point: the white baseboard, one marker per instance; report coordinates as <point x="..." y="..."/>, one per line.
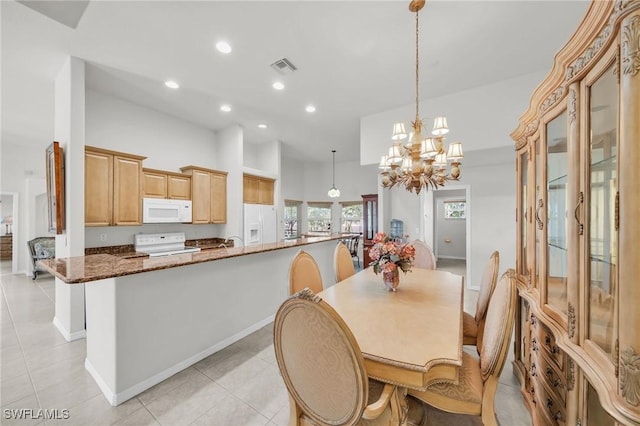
<point x="452" y="257"/>
<point x="120" y="397"/>
<point x="106" y="390"/>
<point x="69" y="337"/>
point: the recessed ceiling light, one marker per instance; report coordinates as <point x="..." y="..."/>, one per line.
<point x="262" y="126"/>
<point x="310" y="108"/>
<point x="171" y="84"/>
<point x="278" y="85"/>
<point x="225" y="108"/>
<point x="223" y="47"/>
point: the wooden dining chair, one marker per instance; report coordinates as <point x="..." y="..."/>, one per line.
<point x="478" y="377"/>
<point x="354" y="244"/>
<point x="342" y="262"/>
<point x="473" y="325"/>
<point x="424" y="255"/>
<point x="304" y="272"/>
<point x="323" y="368"/>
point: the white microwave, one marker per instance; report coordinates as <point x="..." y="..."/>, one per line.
<point x="159" y="210"/>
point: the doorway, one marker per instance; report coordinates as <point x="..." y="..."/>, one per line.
<point x="447" y="228"/>
<point x="8" y="232"/>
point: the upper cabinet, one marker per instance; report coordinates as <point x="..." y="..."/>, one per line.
<point x="163" y="184"/>
<point x="113" y="188"/>
<point x="257" y="189"/>
<point x="209" y="194"/>
<point x="578" y="256"/>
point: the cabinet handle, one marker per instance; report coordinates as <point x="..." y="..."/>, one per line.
<point x="575" y="213"/>
<point x="549" y="403"/>
<point x="538" y="220"/>
<point x="533" y="396"/>
<point x="553" y="349"/>
<point x="555" y="383"/>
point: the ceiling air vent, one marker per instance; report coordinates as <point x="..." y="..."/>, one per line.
<point x="283" y="66"/>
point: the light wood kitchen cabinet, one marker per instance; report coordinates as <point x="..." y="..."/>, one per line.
<point x="179" y="187"/>
<point x="257" y="189"/>
<point x="164" y="184"/>
<point x="209" y="194"/>
<point x="155" y="183"/>
<point x="577" y="334"/>
<point x="218" y="193"/>
<point x="113" y="188"/>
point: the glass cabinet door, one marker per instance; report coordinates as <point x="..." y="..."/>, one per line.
<point x="523" y="213"/>
<point x="557" y="217"/>
<point x="602" y="242"/>
<point x="537" y="208"/>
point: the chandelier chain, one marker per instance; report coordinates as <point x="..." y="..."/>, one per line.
<point x="417" y="71"/>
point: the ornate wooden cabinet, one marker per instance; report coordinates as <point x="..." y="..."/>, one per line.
<point x="577" y="351"/>
<point x="370" y="225"/>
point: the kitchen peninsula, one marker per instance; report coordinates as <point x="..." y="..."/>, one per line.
<point x="148" y="318"/>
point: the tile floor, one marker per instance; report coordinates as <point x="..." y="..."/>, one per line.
<point x="239" y="385"/>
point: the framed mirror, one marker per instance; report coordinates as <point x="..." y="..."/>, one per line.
<point x="55" y="187"/>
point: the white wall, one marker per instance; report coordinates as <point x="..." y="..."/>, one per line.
<point x="69" y="130"/>
<point x="491" y="177"/>
<point x="230" y="153"/>
<point x="292" y="179"/>
<point x="168" y="143"/>
<point x="22" y="160"/>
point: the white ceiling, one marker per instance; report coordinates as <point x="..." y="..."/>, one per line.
<point x="354" y="58"/>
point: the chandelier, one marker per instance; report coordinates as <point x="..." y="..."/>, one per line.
<point x="333" y="191"/>
<point x="420" y="163"/>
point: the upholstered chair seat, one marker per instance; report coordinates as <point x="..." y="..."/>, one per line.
<point x="473" y="325"/>
<point x="424" y="255"/>
<point x="323" y="368"/>
<point x="343" y="262"/>
<point x="478" y="377"/>
<point x="470" y="329"/>
<point x="304" y="273"/>
<point x="467" y="393"/>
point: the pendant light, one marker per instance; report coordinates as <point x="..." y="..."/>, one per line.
<point x="334" y="192"/>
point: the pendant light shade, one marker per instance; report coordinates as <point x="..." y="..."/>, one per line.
<point x="334" y="192"/>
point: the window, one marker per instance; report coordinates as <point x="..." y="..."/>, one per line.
<point x="455" y="210"/>
<point x="292" y="210"/>
<point x="351" y="220"/>
<point x="319" y="218"/>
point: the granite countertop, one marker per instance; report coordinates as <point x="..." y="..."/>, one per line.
<point x="93" y="267"/>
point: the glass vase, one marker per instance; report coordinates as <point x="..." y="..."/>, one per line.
<point x="391" y="279"/>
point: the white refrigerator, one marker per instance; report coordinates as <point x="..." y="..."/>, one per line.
<point x="260" y="224"/>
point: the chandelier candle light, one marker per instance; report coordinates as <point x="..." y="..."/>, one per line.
<point x="420" y="163"/>
<point x="334" y="192"/>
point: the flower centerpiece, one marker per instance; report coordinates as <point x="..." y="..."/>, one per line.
<point x="390" y="257"/>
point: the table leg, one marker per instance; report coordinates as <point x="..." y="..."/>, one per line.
<point x="399" y="407"/>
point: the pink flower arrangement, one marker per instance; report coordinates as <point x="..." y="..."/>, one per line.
<point x="387" y="255"/>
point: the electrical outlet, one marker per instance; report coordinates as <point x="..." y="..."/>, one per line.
<point x="103" y="237"/>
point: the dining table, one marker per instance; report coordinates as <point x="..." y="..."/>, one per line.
<point x="411" y="337"/>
